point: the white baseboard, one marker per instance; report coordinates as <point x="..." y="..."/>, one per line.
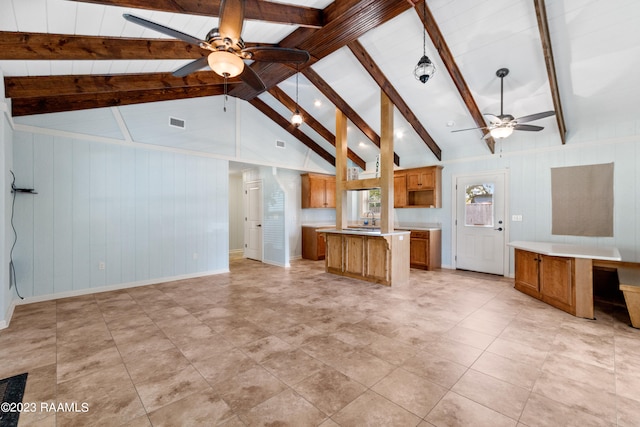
<point x="87" y="291"/>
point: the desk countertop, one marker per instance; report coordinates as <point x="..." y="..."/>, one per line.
<point x="566" y="250"/>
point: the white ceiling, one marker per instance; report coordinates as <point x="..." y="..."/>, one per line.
<point x="596" y="46"/>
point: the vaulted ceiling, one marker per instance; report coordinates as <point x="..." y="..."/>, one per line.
<point x="563" y="55"/>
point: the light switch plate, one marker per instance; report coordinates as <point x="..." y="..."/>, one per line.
<point x="516" y="218"/>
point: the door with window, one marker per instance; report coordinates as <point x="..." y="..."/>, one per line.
<point x="480" y="223"/>
<point x="253" y="220"/>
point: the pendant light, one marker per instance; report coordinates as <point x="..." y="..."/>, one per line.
<point x="425" y="69"/>
<point x="296" y="119"/>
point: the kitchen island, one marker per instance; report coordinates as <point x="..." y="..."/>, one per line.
<point x="559" y="274"/>
<point x="367" y="254"/>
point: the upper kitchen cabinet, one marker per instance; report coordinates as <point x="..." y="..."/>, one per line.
<point x="418" y="188"/>
<point x="318" y="191"/>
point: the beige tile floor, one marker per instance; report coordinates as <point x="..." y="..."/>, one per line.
<point x="264" y="345"/>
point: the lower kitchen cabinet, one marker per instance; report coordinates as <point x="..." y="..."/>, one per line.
<point x="379" y="259"/>
<point x="313" y="244"/>
<point x="547" y="278"/>
<point x="425" y="249"/>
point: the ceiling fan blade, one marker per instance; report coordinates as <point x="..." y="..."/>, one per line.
<point x="530" y="128"/>
<point x="191" y="67"/>
<point x="462" y="130"/>
<point x="231" y="18"/>
<point x="162" y="29"/>
<point x="536" y="116"/>
<point x="278" y="54"/>
<point x="252" y="79"/>
<point x="493" y="119"/>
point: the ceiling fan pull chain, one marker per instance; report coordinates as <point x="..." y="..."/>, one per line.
<point x="225" y="92"/>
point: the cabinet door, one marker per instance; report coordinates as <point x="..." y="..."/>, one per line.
<point x="377" y="262"/>
<point x="556" y="282"/>
<point x="317" y="192"/>
<point x="330" y="193"/>
<point x="399" y="191"/>
<point x="334" y="253"/>
<point x="419" y="253"/>
<point x="526" y="265"/>
<point x="320" y="248"/>
<point x="413" y="180"/>
<point x="354" y="255"/>
<point x="428" y="178"/>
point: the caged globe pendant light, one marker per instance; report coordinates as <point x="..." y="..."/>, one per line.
<point x="425" y="69"/>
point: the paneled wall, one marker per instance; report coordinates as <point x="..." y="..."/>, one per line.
<point x="5" y="212"/>
<point x="111" y="214"/>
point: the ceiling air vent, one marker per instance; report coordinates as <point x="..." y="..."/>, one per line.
<point x="176" y="123"/>
<point x="280" y="144"/>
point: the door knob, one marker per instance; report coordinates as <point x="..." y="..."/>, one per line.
<point x="498" y="229"/>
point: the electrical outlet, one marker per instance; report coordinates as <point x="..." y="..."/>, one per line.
<point x="516" y="218"/>
<point x="195" y="255"/>
<point x="101" y="265"/>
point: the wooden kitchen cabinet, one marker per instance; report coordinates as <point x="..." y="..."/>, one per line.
<point x="399" y="190"/>
<point x="318" y="191"/>
<point x="313" y="244"/>
<point x="547" y="278"/>
<point x="421" y="179"/>
<point x="425" y="249"/>
<point x="368" y="257"/>
<point x="418" y="188"/>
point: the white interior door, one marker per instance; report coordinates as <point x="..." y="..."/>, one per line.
<point x="480" y="223"/>
<point x="253" y="220"/>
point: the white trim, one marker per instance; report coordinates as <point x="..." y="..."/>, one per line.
<point x="121" y="124"/>
<point x="9" y="314"/>
<point x="277" y="264"/>
<point x="506" y="225"/>
<point x="88" y="291"/>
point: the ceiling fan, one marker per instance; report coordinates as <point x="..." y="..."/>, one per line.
<point x="227" y="49"/>
<point x="503" y="125"/>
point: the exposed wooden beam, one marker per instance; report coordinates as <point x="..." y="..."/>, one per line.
<point x="286" y="100"/>
<point x="297" y="133"/>
<point x="545" y="37"/>
<point x="43" y="86"/>
<point x="52" y="104"/>
<point x="392" y="94"/>
<point x="255" y="9"/>
<point x="41" y="46"/>
<point x="346" y="109"/>
<point x="345" y="21"/>
<point x="447" y="58"/>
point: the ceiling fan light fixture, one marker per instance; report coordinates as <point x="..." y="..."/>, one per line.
<point x="225" y="64"/>
<point x="501" y="132"/>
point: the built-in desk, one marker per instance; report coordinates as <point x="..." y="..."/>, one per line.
<point x="559" y="274"/>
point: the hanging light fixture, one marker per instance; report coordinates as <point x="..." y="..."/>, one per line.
<point x="296" y="119"/>
<point x="501" y="132"/>
<point x="425" y="69"/>
<point x="225" y="64"/>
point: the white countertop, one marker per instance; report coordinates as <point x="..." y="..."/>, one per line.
<point x="361" y="231"/>
<point x="566" y="250"/>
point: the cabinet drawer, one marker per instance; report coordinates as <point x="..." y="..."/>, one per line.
<point x="419" y="234"/>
